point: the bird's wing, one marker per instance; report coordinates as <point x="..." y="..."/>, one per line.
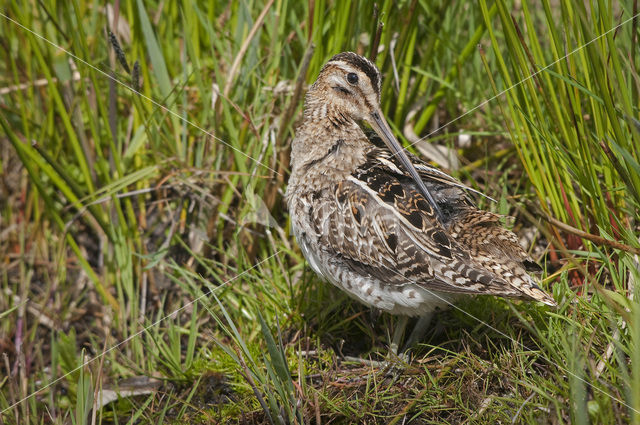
<point x="428" y="173"/>
<point x="380" y="225"/>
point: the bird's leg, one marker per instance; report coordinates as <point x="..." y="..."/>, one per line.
<point x="419" y="330"/>
<point x="374" y="315"/>
<point x="397" y="334"/>
<point x="395" y="360"/>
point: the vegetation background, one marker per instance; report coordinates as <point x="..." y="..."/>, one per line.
<point x="145" y="250"/>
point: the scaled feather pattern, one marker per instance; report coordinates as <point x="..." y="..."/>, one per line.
<point x="379" y="223"/>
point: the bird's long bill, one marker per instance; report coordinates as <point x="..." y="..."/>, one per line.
<point x="381" y="127"/>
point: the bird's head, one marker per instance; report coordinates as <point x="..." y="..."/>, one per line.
<point x="350" y="84"/>
<point x="348" y="89"/>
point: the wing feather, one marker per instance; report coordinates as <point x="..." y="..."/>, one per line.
<point x="378" y="225"/>
<point x="384" y="228"/>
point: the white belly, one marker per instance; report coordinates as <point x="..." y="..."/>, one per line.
<point x="409" y="299"/>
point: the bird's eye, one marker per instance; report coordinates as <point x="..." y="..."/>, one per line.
<point x="352" y="78"/>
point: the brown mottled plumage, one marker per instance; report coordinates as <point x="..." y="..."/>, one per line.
<point x="385" y="227"/>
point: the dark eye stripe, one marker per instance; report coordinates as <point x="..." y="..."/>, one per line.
<point x="363" y="65"/>
<point x="341" y="89"/>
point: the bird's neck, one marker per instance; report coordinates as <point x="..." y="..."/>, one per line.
<point x="327" y="144"/>
<point x="321" y="143"/>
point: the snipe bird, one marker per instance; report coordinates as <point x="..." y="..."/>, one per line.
<point x="390" y="230"/>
